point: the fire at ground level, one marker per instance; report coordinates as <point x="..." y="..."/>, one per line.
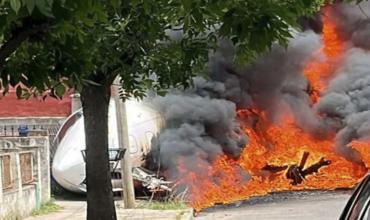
<point x="281" y="159"/>
<point x="301" y="136"/>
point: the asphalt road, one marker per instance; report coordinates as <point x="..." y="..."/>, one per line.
<point x="300" y="205"/>
<point x="303" y="205"/>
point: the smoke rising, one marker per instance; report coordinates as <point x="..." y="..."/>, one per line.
<point x="347" y="98"/>
<point x="199" y="126"/>
<point x="201" y="122"/>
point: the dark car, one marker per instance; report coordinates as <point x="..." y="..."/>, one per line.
<point x="358" y="206"/>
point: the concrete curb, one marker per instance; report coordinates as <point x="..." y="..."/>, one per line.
<point x="150" y="214"/>
<point x="188" y="215"/>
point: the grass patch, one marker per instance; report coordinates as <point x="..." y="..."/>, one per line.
<point x="156" y="205"/>
<point x="46" y="208"/>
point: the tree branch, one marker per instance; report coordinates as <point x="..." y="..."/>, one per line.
<point x="18" y="36"/>
<point x="126" y="58"/>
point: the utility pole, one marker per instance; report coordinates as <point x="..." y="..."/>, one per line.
<point x="123" y="141"/>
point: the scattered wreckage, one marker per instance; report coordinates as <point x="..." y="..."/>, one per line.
<point x="297" y="172"/>
<point x="150" y="181"/>
<point x="67" y="152"/>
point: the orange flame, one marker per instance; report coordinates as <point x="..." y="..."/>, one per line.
<point x="227" y="180"/>
<point x="317" y="71"/>
<point x="363" y="147"/>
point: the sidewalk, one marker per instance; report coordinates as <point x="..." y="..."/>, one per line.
<point x="76" y="210"/>
<point x="70" y="210"/>
<point x="141" y="214"/>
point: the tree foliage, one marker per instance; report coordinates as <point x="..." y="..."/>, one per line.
<point x="72" y="43"/>
<point x="28" y="27"/>
<point x="50" y="46"/>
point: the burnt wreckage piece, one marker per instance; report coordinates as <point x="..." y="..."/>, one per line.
<point x="297" y="173"/>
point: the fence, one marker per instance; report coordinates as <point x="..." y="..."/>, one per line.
<point x="12" y="130"/>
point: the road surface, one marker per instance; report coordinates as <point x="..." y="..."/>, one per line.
<point x="303" y="205"/>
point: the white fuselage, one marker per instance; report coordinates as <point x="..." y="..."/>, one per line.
<point x="68" y="167"/>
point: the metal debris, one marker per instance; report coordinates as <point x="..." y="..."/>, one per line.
<point x="149" y="180"/>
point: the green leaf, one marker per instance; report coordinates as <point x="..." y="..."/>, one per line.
<point x="30" y="5"/>
<point x="44" y="8"/>
<point x="148" y="83"/>
<point x="60" y="90"/>
<point x="115" y="3"/>
<point x="26" y="94"/>
<point x="15" y="5"/>
<point x="18" y="92"/>
<point x="187" y="5"/>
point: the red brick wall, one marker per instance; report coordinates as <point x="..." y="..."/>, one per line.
<point x="10" y="106"/>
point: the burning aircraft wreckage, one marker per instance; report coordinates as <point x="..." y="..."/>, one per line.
<point x="68" y="165"/>
<point x="296" y="118"/>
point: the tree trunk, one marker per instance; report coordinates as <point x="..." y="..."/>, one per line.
<point x="95" y="103"/>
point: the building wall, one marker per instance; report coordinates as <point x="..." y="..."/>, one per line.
<point x="14" y="208"/>
<point x="10" y="106"/>
<point x="19" y="200"/>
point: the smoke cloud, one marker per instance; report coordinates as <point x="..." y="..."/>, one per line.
<point x="199" y="126"/>
<point x="201" y="121"/>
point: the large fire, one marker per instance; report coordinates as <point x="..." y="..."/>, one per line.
<point x="319" y="69"/>
<point x="273" y="148"/>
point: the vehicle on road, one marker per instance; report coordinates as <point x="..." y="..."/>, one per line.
<point x="358" y="206"/>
